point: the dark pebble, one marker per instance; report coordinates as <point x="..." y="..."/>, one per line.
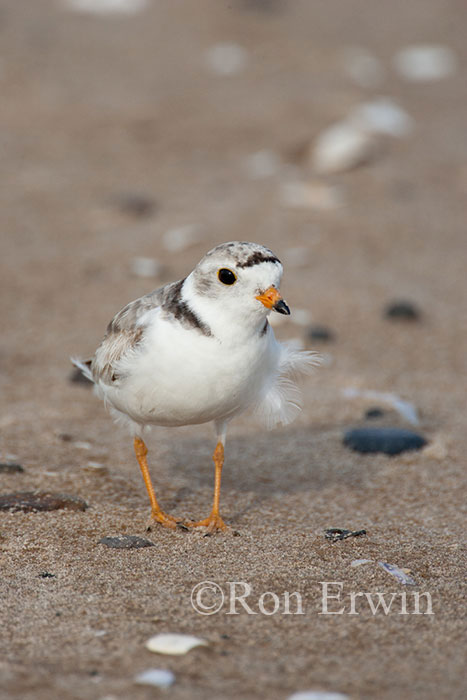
<point x="390" y="441"/>
<point x="77" y="377"/>
<point x="46" y="574"/>
<point x="10" y="468"/>
<point x="126" y="542"/>
<point x="374" y="412"/>
<point x="32" y="501"/>
<point x="135" y="204"/>
<point x="261" y="5"/>
<point x="336" y="534"/>
<point x="402" y="311"/>
<point x="321" y="334"/>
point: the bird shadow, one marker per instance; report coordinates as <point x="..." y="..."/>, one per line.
<point x="281" y="462"/>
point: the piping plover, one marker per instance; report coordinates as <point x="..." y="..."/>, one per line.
<point x="199" y="350"/>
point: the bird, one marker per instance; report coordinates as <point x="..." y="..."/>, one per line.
<point x="201" y="350"/>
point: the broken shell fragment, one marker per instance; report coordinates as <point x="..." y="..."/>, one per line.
<point x="157" y="677"/>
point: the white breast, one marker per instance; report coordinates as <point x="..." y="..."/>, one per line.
<point x="179" y="376"/>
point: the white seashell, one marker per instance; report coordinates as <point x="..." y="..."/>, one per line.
<point x="226" y="59"/>
<point x="106" y="7"/>
<point x="82" y="445"/>
<point x="436" y="450"/>
<point x="382" y="116"/>
<point x="363" y="68"/>
<point x="145" y="267"/>
<point x="400" y="574"/>
<point x="311" y="195"/>
<point x="425" y="63"/>
<point x="158" y="677"/>
<point x="341" y="147"/>
<point x="317" y="695"/>
<point x="262" y="164"/>
<point x="174" y="644"/>
<point x="95" y="467"/>
<point x="298" y="256"/>
<point x="404" y="408"/>
<point x="359" y="562"/>
<point x="302" y="317"/>
<point x="177" y="239"/>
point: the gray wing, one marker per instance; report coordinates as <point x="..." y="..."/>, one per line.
<point x="124" y="334"/>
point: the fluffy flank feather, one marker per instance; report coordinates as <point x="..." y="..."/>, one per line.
<point x="295" y="362"/>
<point x="281" y="402"/>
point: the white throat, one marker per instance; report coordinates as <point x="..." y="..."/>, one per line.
<point x="234" y="324"/>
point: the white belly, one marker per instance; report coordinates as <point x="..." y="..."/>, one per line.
<point x="181" y="377"/>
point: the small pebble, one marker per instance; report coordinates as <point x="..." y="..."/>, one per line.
<point x="317" y="695"/>
<point x="389" y="441"/>
<point x="77" y="377"/>
<point x="46" y="574"/>
<point x="261" y="5"/>
<point x="226" y="59"/>
<point x="360" y="562"/>
<point x="158" y="677"/>
<point x="374" y="412"/>
<point x="10" y="468"/>
<point x="126" y="542"/>
<point x="402" y="311"/>
<point x="106" y="7"/>
<point x="341" y="147"/>
<point x="135" y="204"/>
<point x="33" y="501"/>
<point x="401" y="575"/>
<point x="174" y="644"/>
<point x="145" y="267"/>
<point x="363" y="68"/>
<point x="425" y="63"/>
<point x="177" y="239"/>
<point x="321" y="334"/>
<point x="382" y="116"/>
<point x="311" y="195"/>
<point x="336" y="534"/>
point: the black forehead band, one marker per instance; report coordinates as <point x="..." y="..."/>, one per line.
<point x="257" y="258"/>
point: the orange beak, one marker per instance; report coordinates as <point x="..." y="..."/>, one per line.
<point x="271" y="299"/>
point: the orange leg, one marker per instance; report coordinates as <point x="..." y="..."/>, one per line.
<point x="156" y="513"/>
<point x="214" y="521"/>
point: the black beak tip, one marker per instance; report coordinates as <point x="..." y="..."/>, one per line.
<point x="282" y="308"/>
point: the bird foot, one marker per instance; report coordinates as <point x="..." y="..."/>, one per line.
<point x="163" y="519"/>
<point x="212" y="523"/>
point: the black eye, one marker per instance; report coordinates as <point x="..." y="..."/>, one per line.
<point x="226" y="276"/>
